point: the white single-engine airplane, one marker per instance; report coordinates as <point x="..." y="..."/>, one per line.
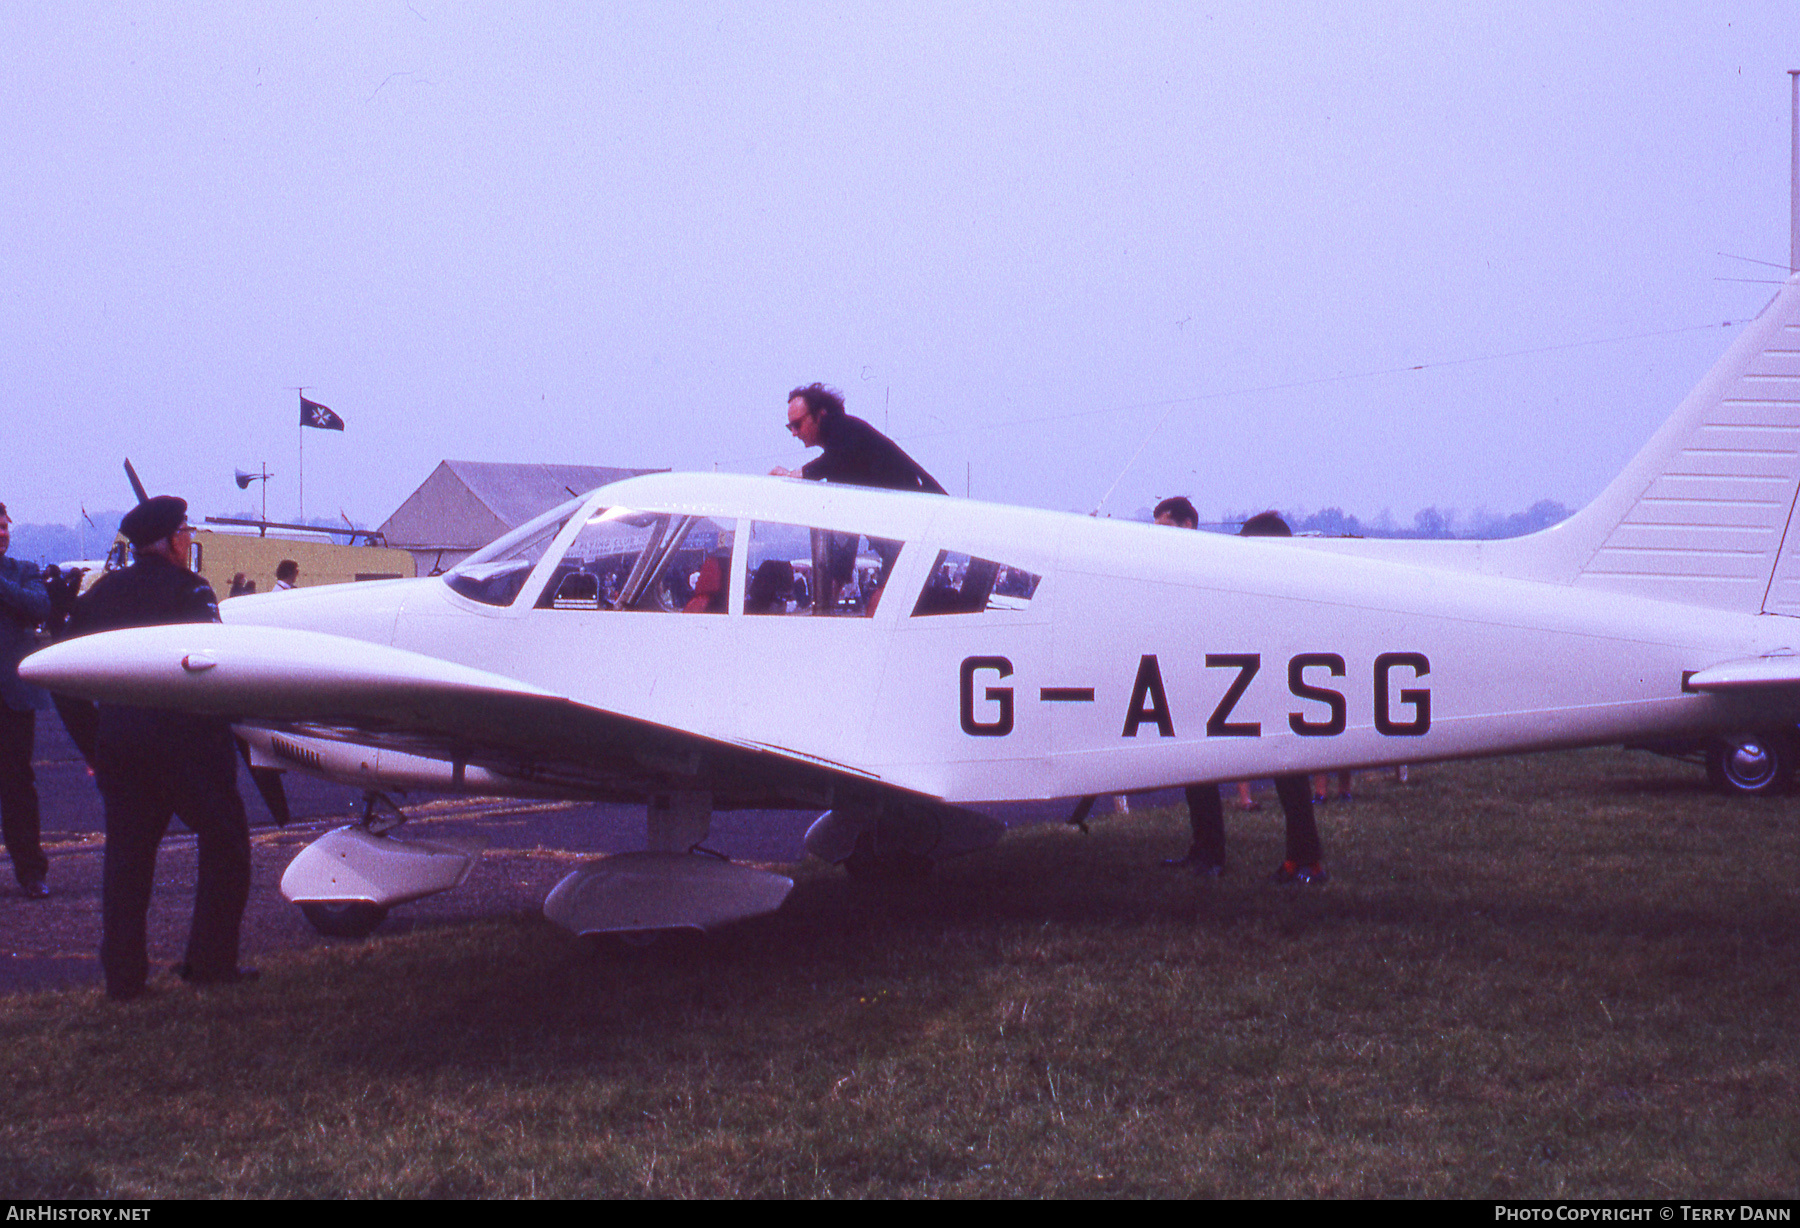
<point x="704" y="641"/>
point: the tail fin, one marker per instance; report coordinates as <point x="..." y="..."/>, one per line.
<point x="1704" y="515"/>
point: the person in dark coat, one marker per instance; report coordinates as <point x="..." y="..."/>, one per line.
<point x="1206" y="814"/>
<point x="152" y="765"/>
<point x="855" y="454"/>
<point x="853" y="451"/>
<point x="24" y="603"/>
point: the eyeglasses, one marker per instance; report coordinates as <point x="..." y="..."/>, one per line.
<point x="793" y="424"/>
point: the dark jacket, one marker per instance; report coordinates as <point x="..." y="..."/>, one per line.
<point x="152" y="592"/>
<point x="24" y="603"/>
<point x="859" y="455"/>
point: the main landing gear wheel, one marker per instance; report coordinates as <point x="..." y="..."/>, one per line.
<point x="1753" y="763"/>
<point x="627" y="946"/>
<point x="887" y="866"/>
<point x="352" y="919"/>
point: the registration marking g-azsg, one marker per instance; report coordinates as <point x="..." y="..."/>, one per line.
<point x="988" y="710"/>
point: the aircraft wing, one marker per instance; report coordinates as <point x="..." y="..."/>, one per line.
<point x="353" y="690"/>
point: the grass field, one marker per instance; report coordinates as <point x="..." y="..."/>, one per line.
<point x="1562" y="976"/>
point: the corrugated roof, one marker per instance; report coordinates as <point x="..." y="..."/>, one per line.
<point x="463" y="505"/>
<point x="516" y="493"/>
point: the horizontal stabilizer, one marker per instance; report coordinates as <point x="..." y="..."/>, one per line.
<point x="1770" y="671"/>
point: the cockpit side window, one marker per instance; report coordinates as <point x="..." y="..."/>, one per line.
<point x="701" y="566"/>
<point x="963" y="584"/>
<point x="629" y="560"/>
<point x="797" y="569"/>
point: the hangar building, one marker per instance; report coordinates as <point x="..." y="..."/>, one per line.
<point x="464" y="505"/>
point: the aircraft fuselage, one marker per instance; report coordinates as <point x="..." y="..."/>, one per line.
<point x="1144" y="657"/>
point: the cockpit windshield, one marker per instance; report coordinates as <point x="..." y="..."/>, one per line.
<point x="494" y="574"/>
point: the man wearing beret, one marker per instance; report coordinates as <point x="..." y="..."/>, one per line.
<point x="151" y="765"/>
<point x="24" y="603"/>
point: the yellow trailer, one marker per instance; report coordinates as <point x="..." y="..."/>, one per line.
<point x="222" y="557"/>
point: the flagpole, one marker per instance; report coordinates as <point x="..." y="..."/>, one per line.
<point x="300" y="390"/>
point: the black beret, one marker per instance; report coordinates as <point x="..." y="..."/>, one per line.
<point x="153" y="519"/>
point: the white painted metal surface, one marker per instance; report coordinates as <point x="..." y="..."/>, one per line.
<point x="349" y="865"/>
<point x="643" y="893"/>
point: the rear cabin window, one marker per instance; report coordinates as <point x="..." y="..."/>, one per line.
<point x="798" y="569"/>
<point x="964" y="584"/>
<point x="629" y="560"/>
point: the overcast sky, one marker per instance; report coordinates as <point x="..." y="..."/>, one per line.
<point x="1186" y="249"/>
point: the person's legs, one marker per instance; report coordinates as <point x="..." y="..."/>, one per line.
<point x="1303" y="848"/>
<point x="1206" y="819"/>
<point x="137" y="815"/>
<point x="209" y="804"/>
<point x="18" y="796"/>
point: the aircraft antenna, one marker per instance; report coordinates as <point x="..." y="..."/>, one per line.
<point x="1100" y="506"/>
